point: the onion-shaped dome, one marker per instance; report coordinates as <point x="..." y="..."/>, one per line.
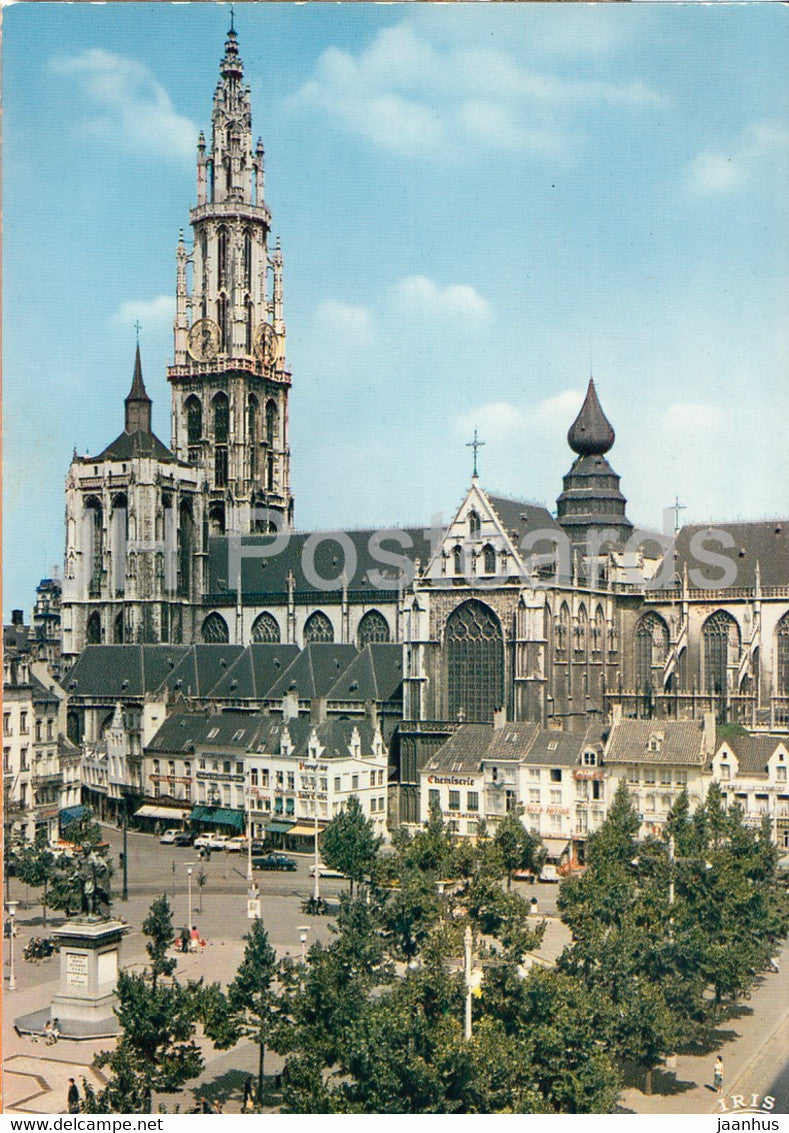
<point x="591" y="433"/>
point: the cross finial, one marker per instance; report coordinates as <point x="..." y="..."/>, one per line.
<point x="232" y="18"/>
<point x="677" y="508"/>
<point x="475" y="444"/>
<point x="138" y="328"/>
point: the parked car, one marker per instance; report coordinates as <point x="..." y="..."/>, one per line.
<point x="273" y="861"/>
<point x="183" y="838"/>
<point x="236" y="844"/>
<point x="259" y="847"/>
<point x="218" y="841"/>
<point x="202" y="841"/>
<point x="549" y="872"/>
<point x="325" y="871"/>
<point x="168" y="837"/>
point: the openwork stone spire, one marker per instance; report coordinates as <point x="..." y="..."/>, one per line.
<point x="591" y="433"/>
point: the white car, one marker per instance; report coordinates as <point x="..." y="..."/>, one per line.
<point x="236" y="844"/>
<point x="168" y="837"/>
<point x="325" y="871"/>
<point x="218" y="841"/>
<point x="202" y="841"/>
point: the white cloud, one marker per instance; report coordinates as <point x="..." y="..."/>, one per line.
<point x="722" y="171"/>
<point x="417" y="296"/>
<point x="561" y="409"/>
<point x="693" y="418"/>
<point x="497" y="419"/>
<point x="130" y="107"/>
<point x="151" y="313"/>
<point x="410" y="91"/>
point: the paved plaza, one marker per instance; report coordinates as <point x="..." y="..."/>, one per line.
<point x="36" y="1075"/>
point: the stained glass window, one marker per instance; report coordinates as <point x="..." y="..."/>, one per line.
<point x="215" y="629"/>
<point x="782" y="657"/>
<point x="475" y="662"/>
<point x="651" y="651"/>
<point x="318" y="628"/>
<point x="265" y="628"/>
<point x="373" y="628"/>
<point x="721" y="649"/>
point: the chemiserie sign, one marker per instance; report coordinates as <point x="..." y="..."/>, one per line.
<point x="450" y="781"/>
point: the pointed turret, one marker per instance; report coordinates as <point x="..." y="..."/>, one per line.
<point x="138" y="404"/>
<point x="591" y="499"/>
<point x="591" y="433"/>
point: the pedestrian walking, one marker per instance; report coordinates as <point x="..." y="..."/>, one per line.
<point x="249" y="1092"/>
<point x="217" y="1106"/>
<point x="72" y="1098"/>
<point x="185" y="939"/>
<point x="717" y="1075"/>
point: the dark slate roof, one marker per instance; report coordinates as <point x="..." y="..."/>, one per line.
<point x="186" y="731"/>
<point x="41" y="694"/>
<point x="511" y="742"/>
<point x="122" y="670"/>
<point x="463" y="752"/>
<point x="568" y="748"/>
<point x="762" y="541"/>
<point x="202" y="668"/>
<point x="375" y="674"/>
<point x="16" y="638"/>
<point x="251" y="676"/>
<point x="591" y="433"/>
<point x="519" y="518"/>
<point x="263" y="575"/>
<point x="683" y="742"/>
<point x="314" y="671"/>
<point x="753" y="752"/>
<point x="334" y="734"/>
<point x="127" y="446"/>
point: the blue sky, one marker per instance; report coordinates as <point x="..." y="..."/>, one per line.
<point x="473" y="201"/>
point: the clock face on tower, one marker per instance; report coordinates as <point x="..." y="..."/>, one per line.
<point x="266" y="344"/>
<point x="204" y="340"/>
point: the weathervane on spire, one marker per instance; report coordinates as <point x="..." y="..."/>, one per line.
<point x="475" y="444"/>
<point x="677" y="508"/>
<point x="138" y="328"/>
<point x="232" y="18"/>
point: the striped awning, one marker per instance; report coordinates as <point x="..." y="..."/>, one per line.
<point x="166" y="812"/>
<point x="306" y="829"/>
<point x="556" y="846"/>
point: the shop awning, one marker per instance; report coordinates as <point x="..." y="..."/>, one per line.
<point x="167" y="812"/>
<point x="69" y="813"/>
<point x="556" y="846"/>
<point x="278" y="827"/>
<point x="218" y="816"/>
<point x="306" y="829"/>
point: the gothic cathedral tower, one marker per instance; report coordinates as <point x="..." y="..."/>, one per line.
<point x="229" y="380"/>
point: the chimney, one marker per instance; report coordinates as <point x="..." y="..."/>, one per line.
<point x="17" y="617"/>
<point x="290" y="705"/>
<point x="317" y="709"/>
<point x="616" y="714"/>
<point x="499" y="718"/>
<point x="371" y="712"/>
<point x="708" y="736"/>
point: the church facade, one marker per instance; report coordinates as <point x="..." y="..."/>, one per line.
<point x="544" y="617"/>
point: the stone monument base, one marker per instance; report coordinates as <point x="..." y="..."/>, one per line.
<point x="89" y="964"/>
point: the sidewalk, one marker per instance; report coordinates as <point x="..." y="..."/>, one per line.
<point x="753" y="1056"/>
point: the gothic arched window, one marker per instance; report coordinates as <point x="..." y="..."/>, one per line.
<point x="473" y="523"/>
<point x="93" y="629"/>
<point x="221" y="258"/>
<point x="221" y="318"/>
<point x="581" y="631"/>
<point x="598" y="630"/>
<point x="216" y="519"/>
<point x="651" y="651"/>
<point x="271" y="423"/>
<point x="488" y="559"/>
<point x="95" y="519"/>
<point x="782" y="657"/>
<point x="563" y="629"/>
<point x="318" y="628"/>
<point x="265" y="628"/>
<point x="372" y="628"/>
<point x="214" y="629"/>
<point x="721" y="636"/>
<point x="185" y="548"/>
<point x="194" y="420"/>
<point x="247" y="259"/>
<point x="457" y="560"/>
<point x="249" y="312"/>
<point x="474" y="651"/>
<point x="221" y="418"/>
<point x="119" y="629"/>
<point x="252" y="434"/>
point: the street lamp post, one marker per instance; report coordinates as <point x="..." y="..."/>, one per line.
<point x="189" y="893"/>
<point x="125" y="895"/>
<point x="12" y="907"/>
<point x="249" y="828"/>
<point x="467" y="944"/>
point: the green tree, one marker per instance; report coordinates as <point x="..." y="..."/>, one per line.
<point x="249" y="1009"/>
<point x="349" y="843"/>
<point x="34" y="866"/>
<point x="158" y="927"/>
<point x="519" y="848"/>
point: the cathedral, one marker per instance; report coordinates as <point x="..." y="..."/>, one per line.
<point x="511" y="611"/>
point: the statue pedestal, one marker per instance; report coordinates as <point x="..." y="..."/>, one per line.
<point x="89" y="964"/>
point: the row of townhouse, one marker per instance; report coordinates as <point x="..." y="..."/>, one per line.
<point x="41" y="767"/>
<point x="561" y="783"/>
<point x="280" y="776"/>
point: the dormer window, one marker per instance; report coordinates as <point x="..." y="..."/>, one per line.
<point x="213" y="733"/>
<point x="655" y="741"/>
<point x="590" y="759"/>
<point x="553" y="745"/>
